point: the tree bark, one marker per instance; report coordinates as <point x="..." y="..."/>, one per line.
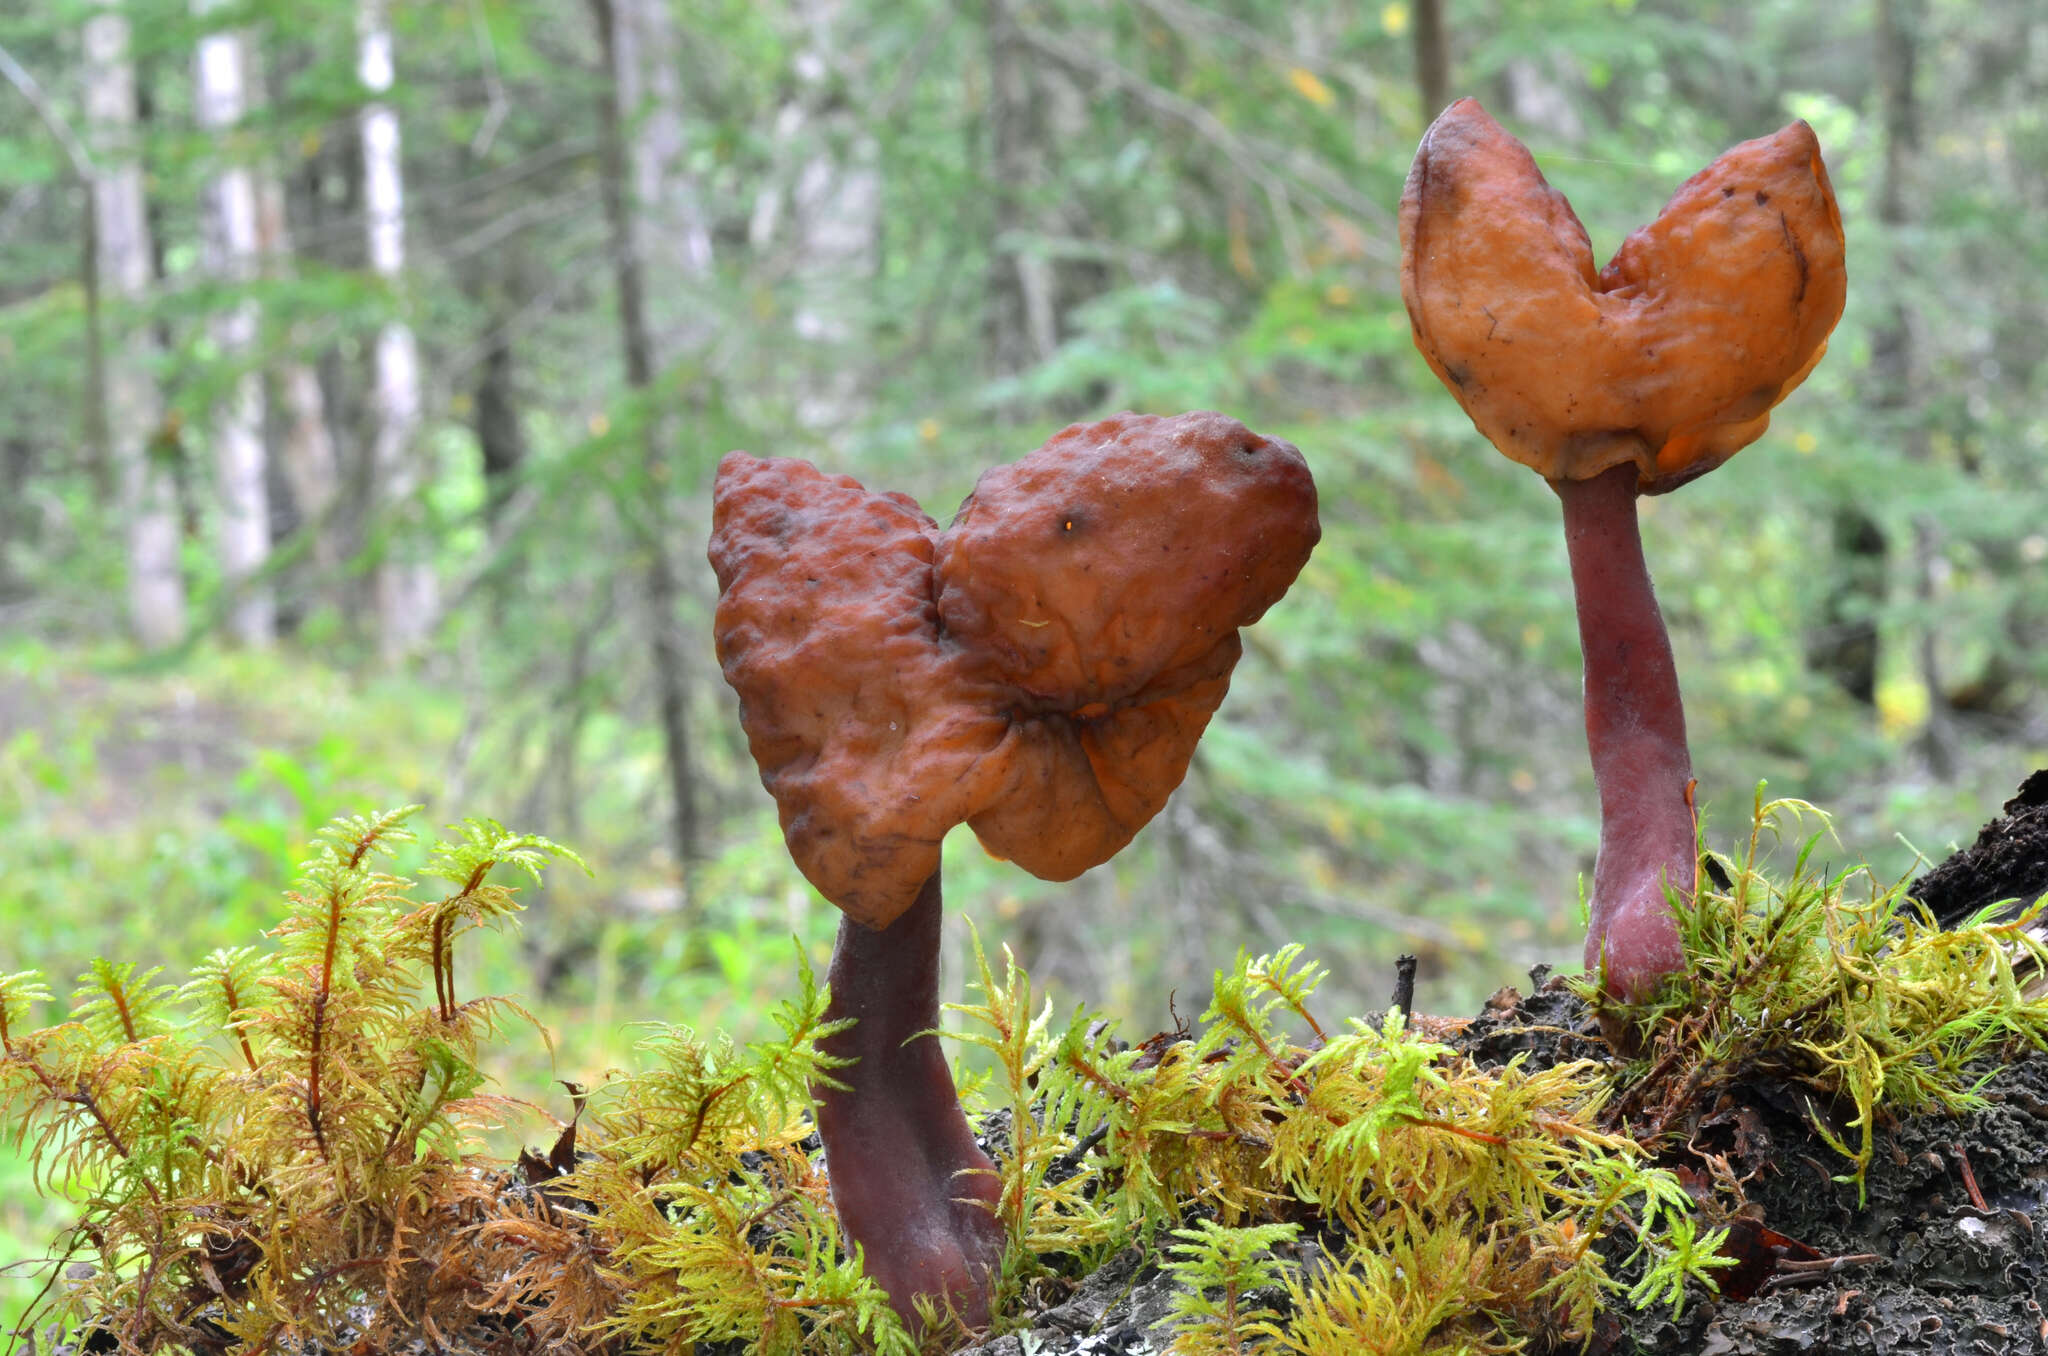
<point x="661" y="220"/>
<point x="17" y="463"/>
<point x="232" y="251"/>
<point x="407" y="593"/>
<point x="1023" y="310"/>
<point x="495" y="404"/>
<point x="133" y="404"/>
<point x="1432" y="58"/>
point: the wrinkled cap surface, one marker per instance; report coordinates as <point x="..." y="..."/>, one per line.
<point x="1672" y="356"/>
<point x="1041" y="669"/>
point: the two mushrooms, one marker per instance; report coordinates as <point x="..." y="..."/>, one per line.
<point x="1042" y="668"/>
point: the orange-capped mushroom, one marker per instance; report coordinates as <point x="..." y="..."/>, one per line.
<point x="1672" y="356"/>
<point x="1040" y="670"/>
<point x="1610" y="384"/>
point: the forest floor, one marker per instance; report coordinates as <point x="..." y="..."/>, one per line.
<point x="1944" y="1254"/>
<point x="1947" y="1251"/>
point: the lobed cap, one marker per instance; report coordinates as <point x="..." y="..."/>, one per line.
<point x="1673" y="355"/>
<point x="1041" y="669"/>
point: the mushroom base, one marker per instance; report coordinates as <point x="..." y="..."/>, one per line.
<point x="910" y="1184"/>
<point x="1635" y="731"/>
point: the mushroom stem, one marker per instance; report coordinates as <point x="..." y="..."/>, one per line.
<point x="1635" y="729"/>
<point x="908" y="1180"/>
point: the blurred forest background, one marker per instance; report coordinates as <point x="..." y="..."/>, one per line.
<point x="363" y="366"/>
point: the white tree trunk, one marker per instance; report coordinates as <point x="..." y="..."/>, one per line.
<point x="407" y="594"/>
<point x="231" y="256"/>
<point x="134" y="406"/>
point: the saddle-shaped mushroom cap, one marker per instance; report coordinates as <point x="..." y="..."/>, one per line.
<point x="873" y="737"/>
<point x="1670" y="357"/>
<point x="1041" y="669"/>
<point x="1629" y="381"/>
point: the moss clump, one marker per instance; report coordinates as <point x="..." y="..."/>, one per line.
<point x="1838" y="982"/>
<point x="1455" y="1208"/>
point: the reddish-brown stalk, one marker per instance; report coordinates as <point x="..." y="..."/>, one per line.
<point x="911" y="1186"/>
<point x="1635" y="729"/>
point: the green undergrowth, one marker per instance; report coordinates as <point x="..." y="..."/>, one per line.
<point x="289" y="1148"/>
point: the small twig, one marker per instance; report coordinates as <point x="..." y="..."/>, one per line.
<point x="1804" y="1273"/>
<point x="1404" y="986"/>
<point x="494" y="83"/>
<point x="1072" y="1158"/>
<point x="1969" y="1177"/>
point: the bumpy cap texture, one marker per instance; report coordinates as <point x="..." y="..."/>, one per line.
<point x="1672" y="356"/>
<point x="1041" y="669"/>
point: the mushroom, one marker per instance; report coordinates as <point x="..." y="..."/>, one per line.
<point x="1628" y="381"/>
<point x="1040" y="670"/>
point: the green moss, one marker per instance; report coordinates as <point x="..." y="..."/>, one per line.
<point x="1836" y="981"/>
<point x="288" y="1146"/>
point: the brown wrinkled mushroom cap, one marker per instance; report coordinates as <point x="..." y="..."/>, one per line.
<point x="1673" y="355"/>
<point x="1042" y="669"/>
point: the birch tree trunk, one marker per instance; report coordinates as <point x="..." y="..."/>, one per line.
<point x="229" y="218"/>
<point x="133" y="404"/>
<point x="660" y="225"/>
<point x="836" y="213"/>
<point x="407" y="594"/>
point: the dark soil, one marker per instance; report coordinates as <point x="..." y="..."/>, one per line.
<point x="1917" y="1265"/>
